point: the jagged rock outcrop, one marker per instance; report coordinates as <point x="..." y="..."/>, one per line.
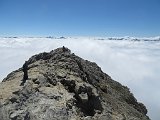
<point x="63" y="86"/>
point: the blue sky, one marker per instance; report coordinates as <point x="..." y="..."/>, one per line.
<point x="79" y="17"/>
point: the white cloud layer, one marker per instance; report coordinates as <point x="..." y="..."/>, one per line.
<point x="133" y="63"/>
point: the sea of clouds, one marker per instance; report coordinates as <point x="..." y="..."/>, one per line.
<point x="133" y="62"/>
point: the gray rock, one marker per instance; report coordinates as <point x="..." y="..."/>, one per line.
<point x="83" y="97"/>
<point x="63" y="86"/>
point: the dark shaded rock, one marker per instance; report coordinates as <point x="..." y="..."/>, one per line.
<point x="69" y="85"/>
<point x="25" y="71"/>
<point x="88" y="101"/>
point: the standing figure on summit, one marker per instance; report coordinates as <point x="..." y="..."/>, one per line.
<point x="64" y="49"/>
<point x="25" y="71"/>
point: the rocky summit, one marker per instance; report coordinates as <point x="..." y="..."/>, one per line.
<point x="62" y="86"/>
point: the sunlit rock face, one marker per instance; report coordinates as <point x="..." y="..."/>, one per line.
<point x="63" y="86"/>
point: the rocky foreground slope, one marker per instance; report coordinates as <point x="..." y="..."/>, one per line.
<point x="63" y="86"/>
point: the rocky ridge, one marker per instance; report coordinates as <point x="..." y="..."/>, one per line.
<point x="63" y="86"/>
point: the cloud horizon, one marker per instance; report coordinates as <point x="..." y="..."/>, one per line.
<point x="134" y="64"/>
